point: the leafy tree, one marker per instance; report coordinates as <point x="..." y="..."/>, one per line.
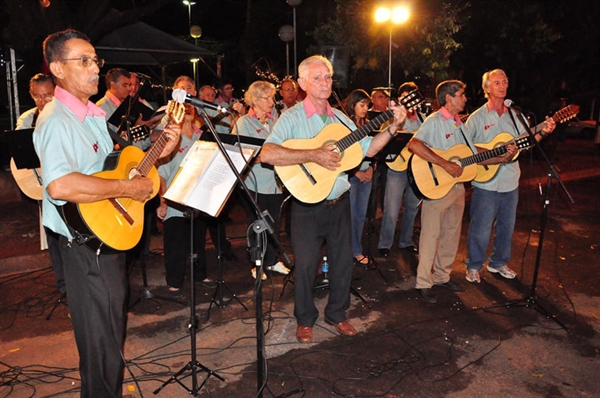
<point x="421" y="47"/>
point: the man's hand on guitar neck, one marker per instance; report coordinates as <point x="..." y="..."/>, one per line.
<point x="382" y="139"/>
<point x="172" y="132"/>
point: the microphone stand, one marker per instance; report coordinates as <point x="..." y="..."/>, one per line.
<point x="262" y="224"/>
<point x="531" y="301"/>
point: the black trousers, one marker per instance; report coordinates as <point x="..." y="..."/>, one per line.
<point x="96" y="288"/>
<point x="177" y="249"/>
<point x="55" y="258"/>
<point x="313" y="225"/>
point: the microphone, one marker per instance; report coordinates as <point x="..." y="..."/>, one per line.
<point x="509" y="104"/>
<point x="142" y="76"/>
<point x="180" y="95"/>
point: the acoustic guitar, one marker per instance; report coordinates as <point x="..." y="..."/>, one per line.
<point x="487" y="172"/>
<point x="401" y="162"/>
<point x="30" y="180"/>
<point x="433" y="182"/>
<point x="311" y="183"/>
<point x="119" y="222"/>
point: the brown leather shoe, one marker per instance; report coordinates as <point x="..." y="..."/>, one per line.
<point x="304" y="334"/>
<point x="344" y="327"/>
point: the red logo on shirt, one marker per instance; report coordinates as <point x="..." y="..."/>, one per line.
<point x="487" y="127"/>
<point x="258" y="131"/>
<point x="95" y="147"/>
<point x="448" y="136"/>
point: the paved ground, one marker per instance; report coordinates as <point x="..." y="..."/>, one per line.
<point x="470" y="344"/>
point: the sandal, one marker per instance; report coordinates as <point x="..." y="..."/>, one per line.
<point x="361" y="260"/>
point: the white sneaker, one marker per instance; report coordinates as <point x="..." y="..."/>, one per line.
<point x="504" y="271"/>
<point x="280" y="268"/>
<point x="264" y="276"/>
<point x="473" y="275"/>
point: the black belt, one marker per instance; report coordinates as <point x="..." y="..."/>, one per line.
<point x="338" y="199"/>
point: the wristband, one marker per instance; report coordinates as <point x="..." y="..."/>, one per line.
<point x="543" y="135"/>
<point x="390" y="133"/>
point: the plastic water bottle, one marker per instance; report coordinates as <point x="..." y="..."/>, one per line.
<point x="325" y="270"/>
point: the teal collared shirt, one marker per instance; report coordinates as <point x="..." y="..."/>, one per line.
<point x="261" y="176"/>
<point x="69" y="137"/>
<point x="484" y="124"/>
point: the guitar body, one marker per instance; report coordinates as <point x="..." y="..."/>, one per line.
<point x="486" y="173"/>
<point x="27" y="181"/>
<point x="118" y="226"/>
<point x="299" y="183"/>
<point x="431" y="180"/>
<point x="401" y="161"/>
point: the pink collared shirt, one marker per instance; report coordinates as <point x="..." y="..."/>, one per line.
<point x="447" y="115"/>
<point x="310" y="108"/>
<point x="252" y="115"/>
<point x="74" y="104"/>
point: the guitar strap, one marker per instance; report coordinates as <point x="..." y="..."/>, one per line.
<point x="475" y="151"/>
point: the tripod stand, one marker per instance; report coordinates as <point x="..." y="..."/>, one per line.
<point x="217" y="297"/>
<point x="532" y="300"/>
<point x="193" y="365"/>
<point x="146" y="293"/>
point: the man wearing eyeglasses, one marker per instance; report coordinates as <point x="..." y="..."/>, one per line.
<point x="72" y="141"/>
<point x="289" y="94"/>
<point x="41" y="89"/>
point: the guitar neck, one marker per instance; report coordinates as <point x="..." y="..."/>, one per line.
<point x="152" y="155"/>
<point x="364" y="130"/>
<point x="481" y="156"/>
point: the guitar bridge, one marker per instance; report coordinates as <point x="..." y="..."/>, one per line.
<point x="121" y="210"/>
<point x="308" y="174"/>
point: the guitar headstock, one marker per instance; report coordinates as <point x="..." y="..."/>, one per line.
<point x="411" y="99"/>
<point x="566" y="113"/>
<point x="523" y="142"/>
<point x="139" y="132"/>
<point x="175" y="111"/>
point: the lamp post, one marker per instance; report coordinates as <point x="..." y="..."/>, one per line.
<point x="189" y="5"/>
<point x="195" y="32"/>
<point x="294" y="4"/>
<point x="286" y="34"/>
<point x="394" y="16"/>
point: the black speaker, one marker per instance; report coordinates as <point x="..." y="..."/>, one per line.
<point x="338" y="56"/>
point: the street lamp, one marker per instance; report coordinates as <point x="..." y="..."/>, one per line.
<point x="196" y="33"/>
<point x="294" y="4"/>
<point x="189" y="5"/>
<point x="394" y="16"/>
<point x="286" y="34"/>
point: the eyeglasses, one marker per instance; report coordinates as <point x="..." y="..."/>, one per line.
<point x="46" y="98"/>
<point x="268" y="98"/>
<point x="289" y="89"/>
<point x="86" y="61"/>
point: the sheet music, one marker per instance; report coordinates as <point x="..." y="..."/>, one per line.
<point x="205" y="180"/>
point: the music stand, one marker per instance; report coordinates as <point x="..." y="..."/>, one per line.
<point x="193" y="365"/>
<point x="531" y="301"/>
<point x="261" y="226"/>
<point x="146" y="293"/>
<point x="217" y="297"/>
